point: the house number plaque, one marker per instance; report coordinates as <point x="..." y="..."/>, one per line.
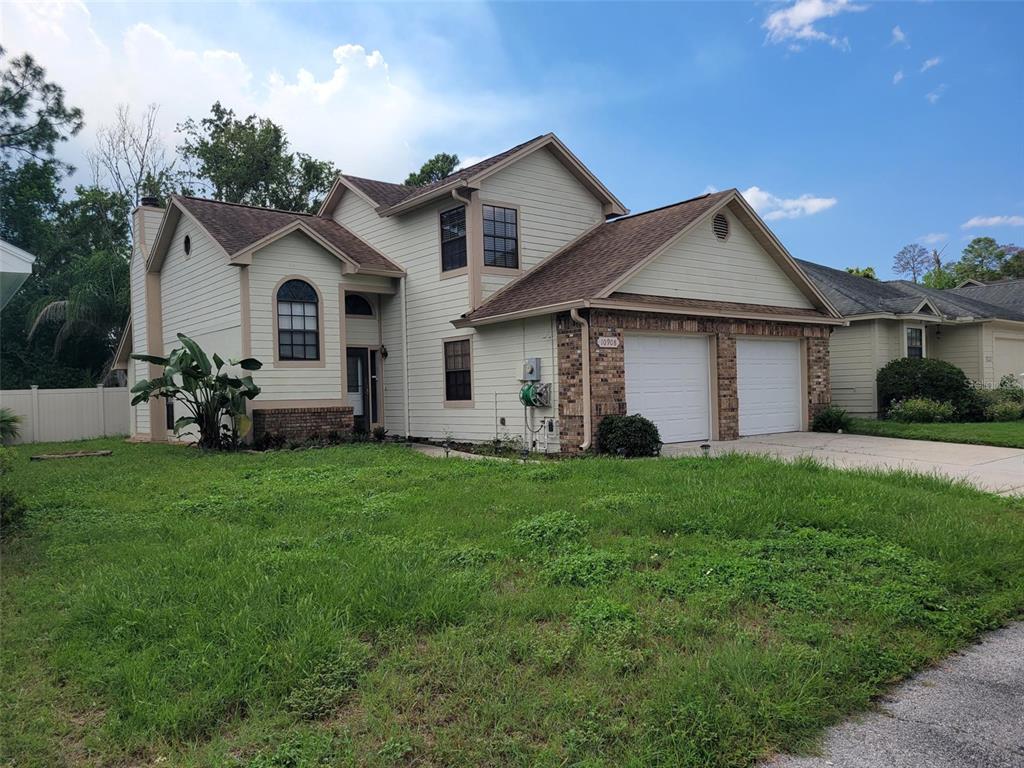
<point x="607" y="342"/>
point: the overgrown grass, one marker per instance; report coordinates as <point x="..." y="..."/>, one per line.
<point x="1009" y="434"/>
<point x="365" y="605"/>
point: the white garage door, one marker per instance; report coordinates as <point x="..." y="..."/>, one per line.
<point x="667" y="381"/>
<point x="1009" y="358"/>
<point x="768" y="383"/>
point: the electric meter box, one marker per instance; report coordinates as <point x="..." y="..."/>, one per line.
<point x="531" y="369"/>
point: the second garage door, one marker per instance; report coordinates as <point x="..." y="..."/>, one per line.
<point x="667" y="381"/>
<point x="768" y="384"/>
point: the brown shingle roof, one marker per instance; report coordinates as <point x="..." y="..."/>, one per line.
<point x="236" y="227"/>
<point x="587" y="267"/>
<point x="698" y="306"/>
<point x="387" y="195"/>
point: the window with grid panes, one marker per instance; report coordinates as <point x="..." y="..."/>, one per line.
<point x="501" y="237"/>
<point x="298" y="333"/>
<point x="457" y="370"/>
<point x="453" y="239"/>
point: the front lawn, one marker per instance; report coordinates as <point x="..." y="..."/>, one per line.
<point x="366" y="605"/>
<point x="1009" y="434"/>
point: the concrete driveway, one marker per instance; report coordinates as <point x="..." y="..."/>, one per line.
<point x="999" y="470"/>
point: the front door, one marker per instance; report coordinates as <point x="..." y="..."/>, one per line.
<point x="362" y="386"/>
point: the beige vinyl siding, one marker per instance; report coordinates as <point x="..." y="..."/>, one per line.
<point x="363" y="331"/>
<point x="139" y="369"/>
<point x="413" y="242"/>
<point x="200" y="294"/>
<point x="554" y="208"/>
<point x="889" y="344"/>
<point x="853" y="367"/>
<point x="298" y="256"/>
<point x="700" y="266"/>
<point x="959" y="345"/>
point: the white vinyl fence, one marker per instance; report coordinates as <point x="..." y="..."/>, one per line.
<point x="50" y="415"/>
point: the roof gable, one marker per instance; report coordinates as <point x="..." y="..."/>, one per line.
<point x="391" y="199"/>
<point x="603" y="260"/>
<point x="239" y="230"/>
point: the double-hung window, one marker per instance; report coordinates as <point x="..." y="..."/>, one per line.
<point x="501" y="237"/>
<point x="453" y="239"/>
<point x="915" y="342"/>
<point x="298" y="331"/>
<point x="458" y="377"/>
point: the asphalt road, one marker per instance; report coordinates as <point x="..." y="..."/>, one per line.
<point x="968" y="712"/>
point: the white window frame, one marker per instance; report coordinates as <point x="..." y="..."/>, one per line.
<point x="924" y="341"/>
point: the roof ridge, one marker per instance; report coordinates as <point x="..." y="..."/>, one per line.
<point x="242" y="205"/>
<point x="378" y="181"/>
<point x="668" y="205"/>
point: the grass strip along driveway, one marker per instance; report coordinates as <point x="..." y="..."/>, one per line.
<point x="1008" y="434"/>
<point x="366" y="605"/>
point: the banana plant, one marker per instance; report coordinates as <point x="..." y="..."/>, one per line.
<point x="214" y="399"/>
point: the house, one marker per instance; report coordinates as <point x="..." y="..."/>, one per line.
<point x="979" y="330"/>
<point x="15" y="268"/>
<point x="426" y="310"/>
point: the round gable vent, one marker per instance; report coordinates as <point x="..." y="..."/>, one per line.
<point x="720" y="225"/>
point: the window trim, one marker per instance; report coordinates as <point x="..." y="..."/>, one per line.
<point x="278" y="362"/>
<point x="490" y="270"/>
<point x="458" y="271"/>
<point x="444" y="371"/>
<point x="906" y="341"/>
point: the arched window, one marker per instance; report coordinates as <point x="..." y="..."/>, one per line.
<point x="357" y="305"/>
<point x="298" y="332"/>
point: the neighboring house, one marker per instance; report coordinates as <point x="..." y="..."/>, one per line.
<point x="423" y="310"/>
<point x="898" y="318"/>
<point x="15" y="268"/>
<point x="1007" y="293"/>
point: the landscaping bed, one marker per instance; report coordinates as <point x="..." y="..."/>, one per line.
<point x="1009" y="434"/>
<point x="367" y="605"/>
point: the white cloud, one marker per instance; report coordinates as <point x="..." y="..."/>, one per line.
<point x="795" y="24"/>
<point x="344" y="104"/>
<point x="899" y="37"/>
<point x="773" y="208"/>
<point x="931" y="63"/>
<point x="897" y="78"/>
<point x="933" y="238"/>
<point x="993" y="221"/>
<point x="935" y="94"/>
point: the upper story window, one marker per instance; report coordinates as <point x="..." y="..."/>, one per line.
<point x="501" y="237"/>
<point x="298" y="331"/>
<point x="915" y="342"/>
<point x="357" y="305"/>
<point x="453" y="239"/>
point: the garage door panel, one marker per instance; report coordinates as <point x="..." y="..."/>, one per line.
<point x="769" y="386"/>
<point x="667" y="382"/>
<point x="1008" y="357"/>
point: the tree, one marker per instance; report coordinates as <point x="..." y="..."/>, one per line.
<point x="982" y="259"/>
<point x="247" y="161"/>
<point x="208" y="393"/>
<point x="912" y="261"/>
<point x="1013" y="266"/>
<point x="130" y="156"/>
<point x="438" y="167"/>
<point x="868" y="272"/>
<point x="33" y="115"/>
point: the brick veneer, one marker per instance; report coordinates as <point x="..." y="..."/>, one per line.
<point x="301" y="423"/>
<point x="608" y="373"/>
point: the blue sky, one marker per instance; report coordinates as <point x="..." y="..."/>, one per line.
<point x="854" y="128"/>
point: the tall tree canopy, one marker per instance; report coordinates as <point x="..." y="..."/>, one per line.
<point x="248" y="161"/>
<point x="912" y="261"/>
<point x="438" y="167"/>
<point x="982" y="259"/>
<point x="868" y="272"/>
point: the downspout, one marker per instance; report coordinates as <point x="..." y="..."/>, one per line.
<point x="585" y="349"/>
<point x="405" y="354"/>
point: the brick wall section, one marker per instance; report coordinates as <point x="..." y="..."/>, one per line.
<point x="302" y="423"/>
<point x="607" y="364"/>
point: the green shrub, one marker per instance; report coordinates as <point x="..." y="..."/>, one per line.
<point x="832" y="419"/>
<point x="10" y="425"/>
<point x="628" y="436"/>
<point x="921" y="410"/>
<point x="1010" y="389"/>
<point x="12" y="507"/>
<point x="1004" y="411"/>
<point x="915" y="378"/>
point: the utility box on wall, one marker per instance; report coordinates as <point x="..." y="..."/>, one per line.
<point x="531" y="369"/>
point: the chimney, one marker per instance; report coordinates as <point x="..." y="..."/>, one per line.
<point x="151" y="202"/>
<point x="146" y="220"/>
